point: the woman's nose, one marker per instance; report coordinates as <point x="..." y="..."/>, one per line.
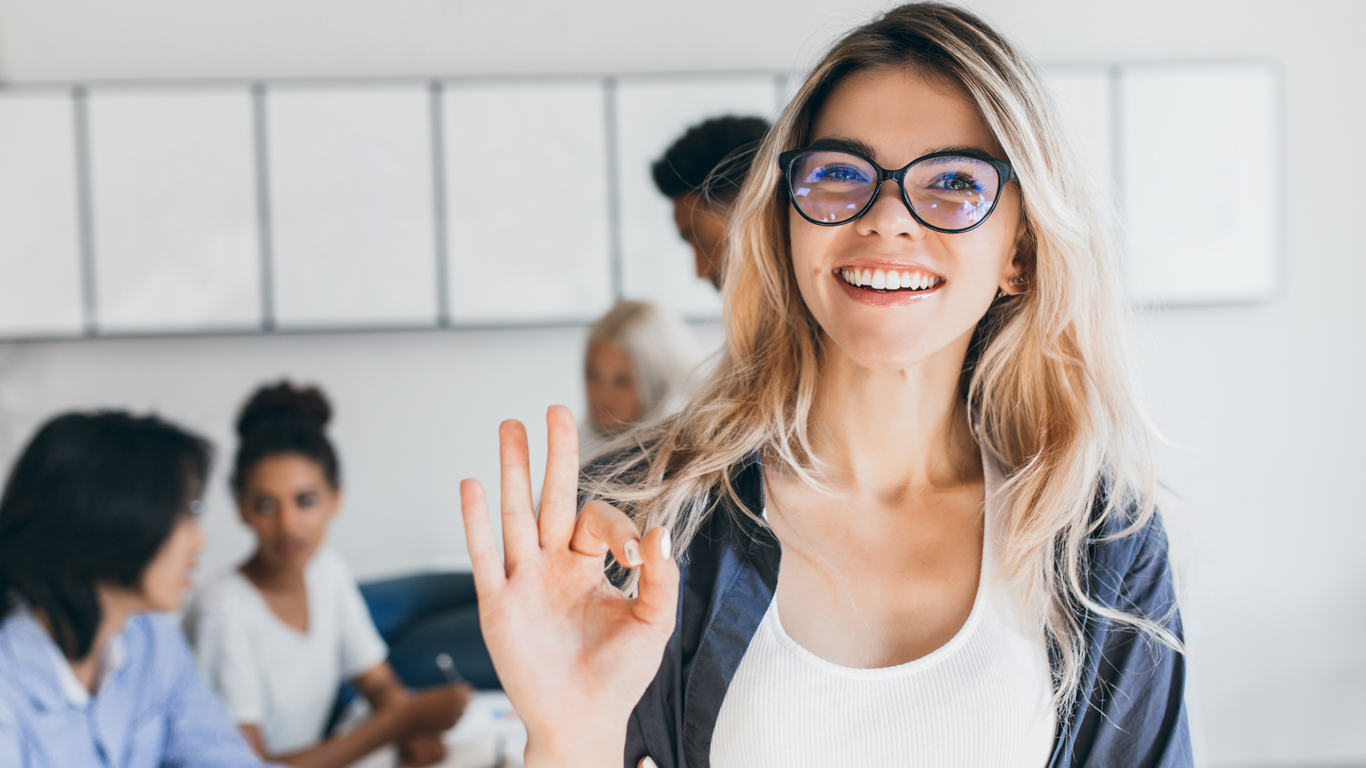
<point x="289" y="519"/>
<point x="889" y="216"/>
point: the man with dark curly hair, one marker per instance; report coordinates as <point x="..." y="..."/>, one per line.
<point x="702" y="173"/>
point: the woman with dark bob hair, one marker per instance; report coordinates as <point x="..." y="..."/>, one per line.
<point x="98" y="539"/>
<point x="911" y="519"/>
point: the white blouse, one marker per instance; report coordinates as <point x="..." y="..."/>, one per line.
<point x="268" y="673"/>
<point x="982" y="699"/>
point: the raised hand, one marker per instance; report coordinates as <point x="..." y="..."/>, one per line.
<point x="573" y="653"/>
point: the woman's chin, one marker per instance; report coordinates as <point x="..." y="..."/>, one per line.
<point x="875" y="352"/>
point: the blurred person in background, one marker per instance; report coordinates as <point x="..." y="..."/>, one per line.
<point x="98" y="539"/>
<point x="638" y="366"/>
<point x="702" y="173"/>
<point x="277" y="636"/>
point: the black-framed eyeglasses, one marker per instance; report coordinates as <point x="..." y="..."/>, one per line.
<point x="945" y="191"/>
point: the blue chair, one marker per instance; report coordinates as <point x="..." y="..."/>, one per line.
<point x="421" y="617"/>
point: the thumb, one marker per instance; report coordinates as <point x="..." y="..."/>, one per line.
<point x="657" y="600"/>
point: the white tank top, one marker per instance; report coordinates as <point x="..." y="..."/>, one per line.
<point x="982" y="699"/>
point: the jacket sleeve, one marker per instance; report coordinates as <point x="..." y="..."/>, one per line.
<point x="1136" y="712"/>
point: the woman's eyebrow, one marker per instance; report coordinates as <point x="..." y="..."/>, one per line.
<point x="851" y="145"/>
<point x="961" y="151"/>
<point x="863" y="148"/>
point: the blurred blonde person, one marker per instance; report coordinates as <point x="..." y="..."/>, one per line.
<point x="638" y="366"/>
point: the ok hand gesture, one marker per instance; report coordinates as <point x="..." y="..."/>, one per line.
<point x="573" y="653"/>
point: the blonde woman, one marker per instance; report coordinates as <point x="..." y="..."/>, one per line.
<point x="910" y="520"/>
<point x="638" y="366"/>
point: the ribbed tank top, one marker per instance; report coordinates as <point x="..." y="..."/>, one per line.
<point x="984" y="698"/>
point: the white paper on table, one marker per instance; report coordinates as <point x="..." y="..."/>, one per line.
<point x="488" y="721"/>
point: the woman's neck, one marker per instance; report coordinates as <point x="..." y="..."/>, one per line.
<point x="116" y="605"/>
<point x="885" y="432"/>
<point x="269" y="577"/>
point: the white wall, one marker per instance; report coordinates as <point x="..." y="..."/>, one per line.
<point x="1267" y="397"/>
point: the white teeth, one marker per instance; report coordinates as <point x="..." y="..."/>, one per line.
<point x="886" y="280"/>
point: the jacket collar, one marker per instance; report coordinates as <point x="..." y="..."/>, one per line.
<point x="747" y="559"/>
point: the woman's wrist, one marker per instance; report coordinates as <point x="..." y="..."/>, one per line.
<point x="587" y="749"/>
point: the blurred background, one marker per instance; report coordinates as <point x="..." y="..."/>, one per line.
<point x="1253" y="363"/>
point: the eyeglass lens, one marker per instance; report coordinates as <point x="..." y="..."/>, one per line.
<point x="951" y="193"/>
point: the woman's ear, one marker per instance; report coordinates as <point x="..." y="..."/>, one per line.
<point x="1022" y="262"/>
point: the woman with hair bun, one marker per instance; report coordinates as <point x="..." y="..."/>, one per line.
<point x="278" y="635"/>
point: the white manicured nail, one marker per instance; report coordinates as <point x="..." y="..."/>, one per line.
<point x="633" y="557"/>
<point x="666" y="544"/>
<point x="648" y="763"/>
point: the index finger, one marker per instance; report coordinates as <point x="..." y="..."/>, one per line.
<point x="560" y="494"/>
<point x="487" y="565"/>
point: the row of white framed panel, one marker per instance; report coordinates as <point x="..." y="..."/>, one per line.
<point x="1194" y="155"/>
<point x="223" y="208"/>
<point x="183" y="209"/>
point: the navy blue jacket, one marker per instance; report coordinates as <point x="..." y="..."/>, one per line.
<point x="1130" y="711"/>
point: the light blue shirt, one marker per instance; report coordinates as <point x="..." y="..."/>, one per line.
<point x="152" y="709"/>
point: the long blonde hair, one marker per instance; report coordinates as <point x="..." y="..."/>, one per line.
<point x="1047" y="381"/>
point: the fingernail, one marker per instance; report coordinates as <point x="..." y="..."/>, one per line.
<point x="648" y="763"/>
<point x="666" y="544"/>
<point x="633" y="557"/>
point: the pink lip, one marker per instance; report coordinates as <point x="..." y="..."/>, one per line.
<point x="898" y="266"/>
<point x="889" y="298"/>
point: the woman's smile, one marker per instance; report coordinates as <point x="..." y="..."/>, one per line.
<point x="887" y="284"/>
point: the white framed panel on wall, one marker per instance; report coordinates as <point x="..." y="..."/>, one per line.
<point x="1083" y="95"/>
<point x="40" y="241"/>
<point x="1200" y="169"/>
<point x="526" y="200"/>
<point x="174" y="230"/>
<point x="352" y="216"/>
<point x="651" y="113"/>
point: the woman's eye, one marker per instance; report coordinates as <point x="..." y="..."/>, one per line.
<point x="622" y="381"/>
<point x="957" y="182"/>
<point x="264" y="507"/>
<point x="307" y="500"/>
<point x="838" y="172"/>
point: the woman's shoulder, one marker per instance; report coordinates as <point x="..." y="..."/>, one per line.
<point x="226" y="596"/>
<point x="1129" y="555"/>
<point x="152" y="641"/>
<point x="328" y="569"/>
<point x="1127" y="529"/>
